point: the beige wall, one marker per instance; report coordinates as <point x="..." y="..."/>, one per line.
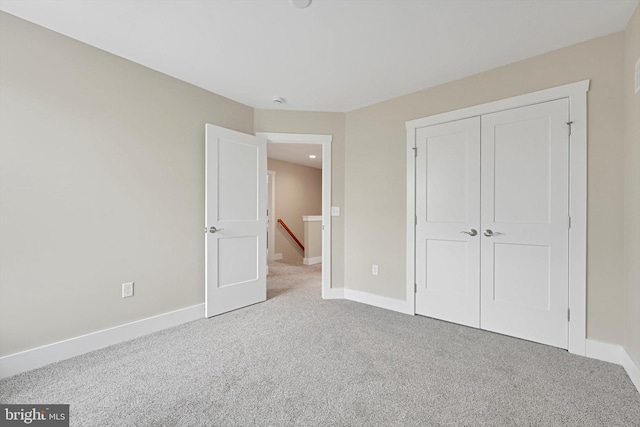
<point x="101" y="182"/>
<point x="298" y="193"/>
<point x="312" y="239"/>
<point x="376" y="171"/>
<point x="323" y="124"/>
<point x="632" y="190"/>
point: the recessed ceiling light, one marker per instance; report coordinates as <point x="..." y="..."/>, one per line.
<point x="312" y="156"/>
<point x="278" y="100"/>
<point x="300" y="4"/>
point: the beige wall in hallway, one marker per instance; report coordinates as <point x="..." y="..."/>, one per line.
<point x="375" y="178"/>
<point x="632" y="189"/>
<point x="101" y="182"/>
<point x="312" y="239"/>
<point x="281" y="121"/>
<point x="298" y="193"/>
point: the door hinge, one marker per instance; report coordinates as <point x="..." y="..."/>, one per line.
<point x="568" y="315"/>
<point x="569" y="124"/>
<point x="416" y="220"/>
<point x="569" y="222"/>
<point x="415" y="288"/>
<point x="415" y="151"/>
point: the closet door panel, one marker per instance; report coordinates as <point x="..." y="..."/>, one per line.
<point x="524" y="209"/>
<point x="447" y="210"/>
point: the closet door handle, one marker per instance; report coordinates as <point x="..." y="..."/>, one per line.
<point x="491" y="233"/>
<point x="471" y="233"/>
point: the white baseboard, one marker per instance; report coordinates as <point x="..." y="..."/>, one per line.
<point x="312" y="261"/>
<point x="614" y="353"/>
<point x="604" y="351"/>
<point x="34" y="358"/>
<point x="632" y="369"/>
<point x="275" y="257"/>
<point x="378" y="301"/>
<point x="333" y="293"/>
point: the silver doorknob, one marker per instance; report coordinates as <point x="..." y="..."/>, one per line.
<point x="215" y="230"/>
<point x="471" y="233"/>
<point x="491" y="233"/>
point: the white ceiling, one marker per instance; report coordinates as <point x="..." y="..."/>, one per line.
<point x="332" y="56"/>
<point x="296" y="153"/>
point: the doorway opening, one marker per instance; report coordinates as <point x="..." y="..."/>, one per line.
<point x="322" y="221"/>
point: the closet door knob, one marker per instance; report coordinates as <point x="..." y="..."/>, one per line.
<point x="471" y="233"/>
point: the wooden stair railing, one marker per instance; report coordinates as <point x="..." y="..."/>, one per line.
<point x="293" y="236"/>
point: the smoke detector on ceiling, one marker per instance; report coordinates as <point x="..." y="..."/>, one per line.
<point x="300" y="4"/>
<point x="277" y="100"/>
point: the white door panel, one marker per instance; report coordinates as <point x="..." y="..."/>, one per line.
<point x="524" y="285"/>
<point x="504" y="174"/>
<point x="236" y="209"/>
<point x="237" y="177"/>
<point x="447" y="204"/>
<point x="520" y="168"/>
<point x="236" y="260"/>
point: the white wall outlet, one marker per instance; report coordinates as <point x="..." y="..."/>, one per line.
<point x="127" y="289"/>
<point x="335" y="210"/>
<point x="374" y="269"/>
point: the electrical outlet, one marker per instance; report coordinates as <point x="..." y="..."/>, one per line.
<point x="127" y="290"/>
<point x="335" y="210"/>
<point x="374" y="269"/>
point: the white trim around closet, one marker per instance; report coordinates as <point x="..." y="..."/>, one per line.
<point x="577" y="95"/>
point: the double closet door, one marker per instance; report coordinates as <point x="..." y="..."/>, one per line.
<point x="492" y="222"/>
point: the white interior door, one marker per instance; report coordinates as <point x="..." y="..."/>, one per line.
<point x="235" y="247"/>
<point x="448" y="222"/>
<point x="525" y="222"/>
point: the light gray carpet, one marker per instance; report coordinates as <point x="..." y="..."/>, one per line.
<point x="299" y="360"/>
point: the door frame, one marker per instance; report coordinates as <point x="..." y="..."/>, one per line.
<point x="325" y="141"/>
<point x="271" y="202"/>
<point x="576" y="93"/>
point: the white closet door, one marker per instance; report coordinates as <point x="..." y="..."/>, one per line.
<point x="447" y="206"/>
<point x="524" y="264"/>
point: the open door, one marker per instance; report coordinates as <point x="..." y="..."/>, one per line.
<point x="235" y="220"/>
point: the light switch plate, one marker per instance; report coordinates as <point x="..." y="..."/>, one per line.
<point x="335" y="210"/>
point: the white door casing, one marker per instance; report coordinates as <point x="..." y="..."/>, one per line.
<point x="235" y="220"/>
<point x="576" y="94"/>
<point x="271" y="217"/>
<point x="448" y="221"/>
<point x="328" y="292"/>
<point x="525" y="205"/>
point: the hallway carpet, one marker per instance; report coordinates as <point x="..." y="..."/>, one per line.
<point x="299" y="360"/>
